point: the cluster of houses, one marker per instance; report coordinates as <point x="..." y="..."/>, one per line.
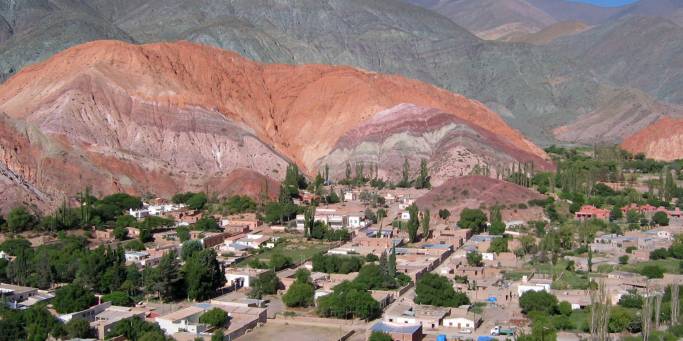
<point x="588" y="212"/>
<point x="444" y="253"/>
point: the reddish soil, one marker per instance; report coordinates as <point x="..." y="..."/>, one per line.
<point x="477" y="191"/>
<point x="662" y="140"/>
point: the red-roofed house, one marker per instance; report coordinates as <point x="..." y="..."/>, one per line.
<point x="591" y="212"/>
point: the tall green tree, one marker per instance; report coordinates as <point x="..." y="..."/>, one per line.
<point x="422" y="180"/>
<point x="72" y="298"/>
<point x="301" y="292"/>
<point x="497" y="224"/>
<point x="167" y="279"/>
<point x="203" y="275"/>
<point x="432" y="289"/>
<point x="391" y="263"/>
<point x="473" y="219"/>
<point x="413" y="222"/>
<point x="426" y="217"/>
<point x="266" y="284"/>
<point x="77" y="328"/>
<point x="19" y="219"/>
<point x="405" y="175"/>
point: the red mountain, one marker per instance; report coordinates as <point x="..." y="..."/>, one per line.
<point x="161" y="118"/>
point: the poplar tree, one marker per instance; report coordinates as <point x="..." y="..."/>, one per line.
<point x="413" y="223"/>
<point x="425" y="223"/>
<point x="391" y="263"/>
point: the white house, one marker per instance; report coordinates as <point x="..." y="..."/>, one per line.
<point x="136" y="257"/>
<point x="138" y="214"/>
<point x="255" y="241"/>
<point x="536" y="285"/>
<point x="242" y="278"/>
<point x="488" y="256"/>
<point x="154" y="210"/>
<point x="186" y="320"/>
<point x="350" y="196"/>
<point x="462" y="319"/>
<point x="405" y="215"/>
<point x="356" y="221"/>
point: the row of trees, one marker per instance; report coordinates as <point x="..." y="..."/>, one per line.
<point x="92" y="212"/>
<point x="360" y="177"/>
<point x="103" y="271"/>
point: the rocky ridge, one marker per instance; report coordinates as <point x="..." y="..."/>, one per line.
<point x="161" y="118"/>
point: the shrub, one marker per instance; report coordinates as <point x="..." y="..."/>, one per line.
<point x="215" y="317"/>
<point x="659" y="254"/>
<point x="652" y="271"/>
<point x="432" y="289"/>
<point x="119" y="298"/>
<point x="565" y="308"/>
<point x="301" y="292"/>
<point x="77" y="328"/>
<point x="540" y="301"/>
<point x="473" y="219"/>
<point x="72" y="298"/>
<point x="661" y="219"/>
<point x="623" y="260"/>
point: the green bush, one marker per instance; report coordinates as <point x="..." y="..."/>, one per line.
<point x="215" y="317"/>
<point x="119" y="298"/>
<point x="72" y="298"/>
<point x="540" y="301"/>
<point x="432" y="289"/>
<point x="652" y="271"/>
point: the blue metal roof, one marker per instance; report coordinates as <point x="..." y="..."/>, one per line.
<point x="382" y="327"/>
<point x="436" y="246"/>
<point x="482" y="238"/>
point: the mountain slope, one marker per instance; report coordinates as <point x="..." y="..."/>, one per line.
<point x="484" y="17"/>
<point x="32" y="30"/>
<point x="636" y="51"/>
<point x="662" y="140"/>
<point x="389" y="36"/>
<point x="563" y="10"/>
<point x="552" y="32"/>
<point x="624" y="113"/>
<point x="670" y="9"/>
<point x="161" y="118"/>
<point x="534" y="88"/>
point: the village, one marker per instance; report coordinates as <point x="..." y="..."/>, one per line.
<point x="362" y="262"/>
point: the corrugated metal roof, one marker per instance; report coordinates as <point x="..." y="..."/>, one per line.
<point x="383" y="327"/>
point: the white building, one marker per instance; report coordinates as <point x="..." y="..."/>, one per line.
<point x="242" y="278"/>
<point x="138" y="214"/>
<point x="488" y="256"/>
<point x="255" y="241"/>
<point x="356" y="221"/>
<point x="535" y="285"/>
<point x="136" y="257"/>
<point x="184" y="320"/>
<point x="458" y="322"/>
<point x="154" y="210"/>
<point x="350" y="196"/>
<point x="405" y="215"/>
<point x="243" y="317"/>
